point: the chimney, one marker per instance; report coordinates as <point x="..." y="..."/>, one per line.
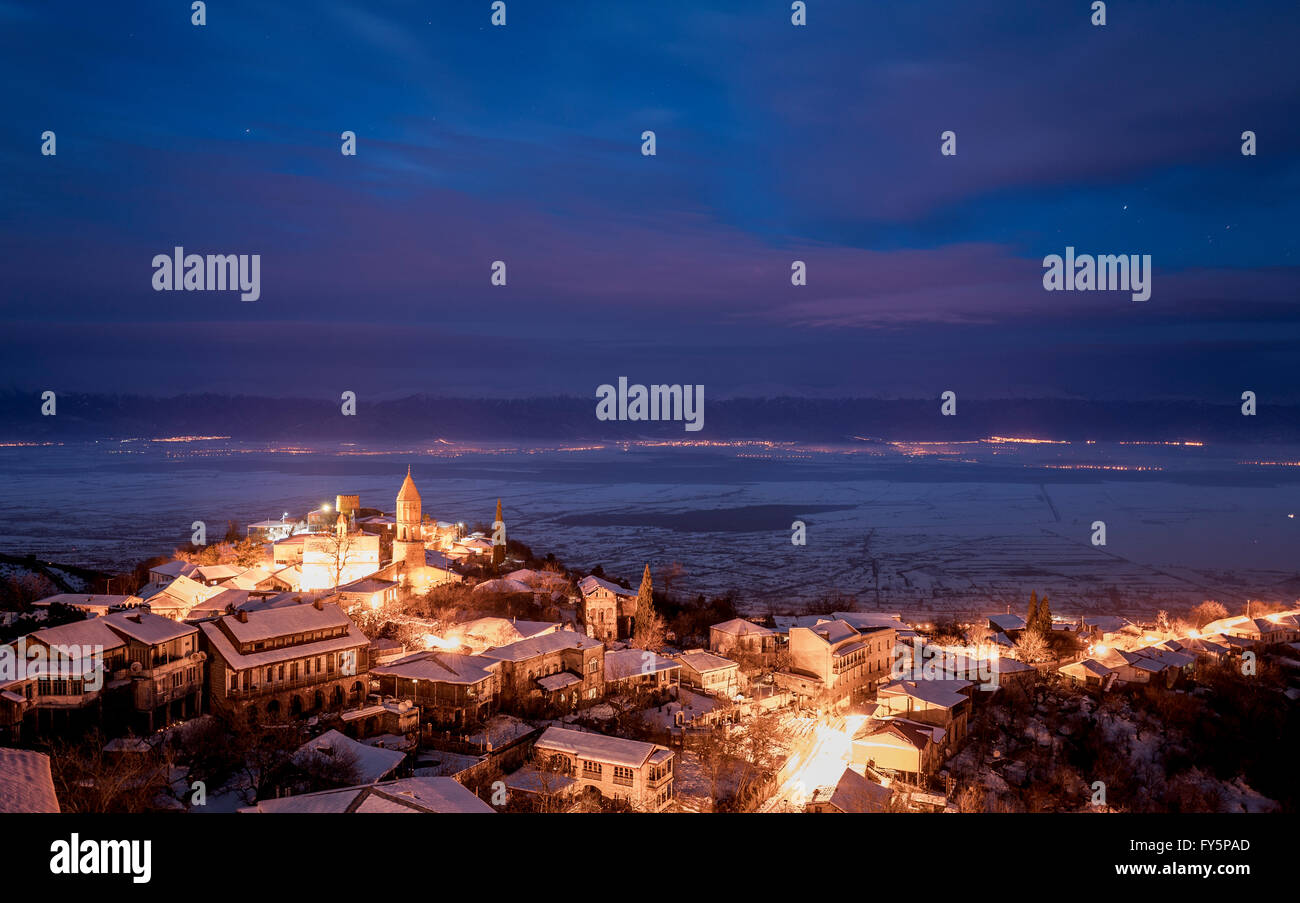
<point x="316" y="604"/>
<point x="134" y="617"/>
<point x="242" y="616"/>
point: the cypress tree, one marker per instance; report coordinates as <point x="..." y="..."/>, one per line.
<point x="645" y="611"/>
<point x="1044" y="617"/>
<point x="1031" y="622"/>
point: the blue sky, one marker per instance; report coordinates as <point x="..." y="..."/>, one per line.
<point x="522" y="143"/>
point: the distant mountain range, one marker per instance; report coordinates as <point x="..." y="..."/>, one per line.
<point x="571" y="419"/>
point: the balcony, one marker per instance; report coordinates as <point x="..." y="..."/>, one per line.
<point x="281" y="686"/>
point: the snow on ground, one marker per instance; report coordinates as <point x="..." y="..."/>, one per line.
<point x="500" y="729"/>
<point x="946" y="532"/>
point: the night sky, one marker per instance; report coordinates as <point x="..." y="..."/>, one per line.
<point x="775" y="143"/>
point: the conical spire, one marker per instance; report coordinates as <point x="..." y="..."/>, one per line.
<point x="408" y="492"/>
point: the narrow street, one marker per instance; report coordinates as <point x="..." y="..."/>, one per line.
<point x="822" y="747"/>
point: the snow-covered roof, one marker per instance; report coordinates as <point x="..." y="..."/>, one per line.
<point x="540" y="579"/>
<point x="441" y="667"/>
<point x="424" y="794"/>
<point x="246" y="579"/>
<point x="25" y="782"/>
<point x="849" y="649"/>
<point x="286" y="621"/>
<point x="589" y="584"/>
<point x="219" y="571"/>
<point x="552" y="682"/>
<point x="95" y="601"/>
<point x="227" y="599"/>
<point x="864" y="620"/>
<point x="1004" y="665"/>
<point x="702" y="662"/>
<point x="147" y="627"/>
<point x="222" y="646"/>
<point x="502" y="631"/>
<point x="854" y="792"/>
<point x="741" y="627"/>
<point x="539" y="645"/>
<point x="372" y="763"/>
<point x="621" y="664"/>
<point x="172" y="568"/>
<point x="1086" y="668"/>
<point x="833" y="632"/>
<point x="1167" y="657"/>
<point x="909" y="732"/>
<point x="1106" y="623"/>
<point x="367" y="585"/>
<point x="1005" y="622"/>
<point x="182" y="593"/>
<point x="597" y="747"/>
<point x="942" y="693"/>
<point x="91" y="632"/>
<point x="531" y="779"/>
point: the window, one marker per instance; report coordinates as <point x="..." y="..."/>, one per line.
<point x="623" y="775"/>
<point x="592" y="666"/>
<point x="592" y="769"/>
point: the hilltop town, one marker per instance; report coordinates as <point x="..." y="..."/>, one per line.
<point x="362" y="659"/>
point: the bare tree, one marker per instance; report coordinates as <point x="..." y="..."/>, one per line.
<point x="1207" y="611"/>
<point x="88" y="779"/>
<point x="1032" y="647"/>
<point x="338" y="548"/>
<point x="669" y="573"/>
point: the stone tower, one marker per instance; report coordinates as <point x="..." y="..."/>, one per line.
<point x="408" y="542"/>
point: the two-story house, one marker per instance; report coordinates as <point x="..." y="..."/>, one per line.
<point x="285" y="662"/>
<point x="631" y="770"/>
